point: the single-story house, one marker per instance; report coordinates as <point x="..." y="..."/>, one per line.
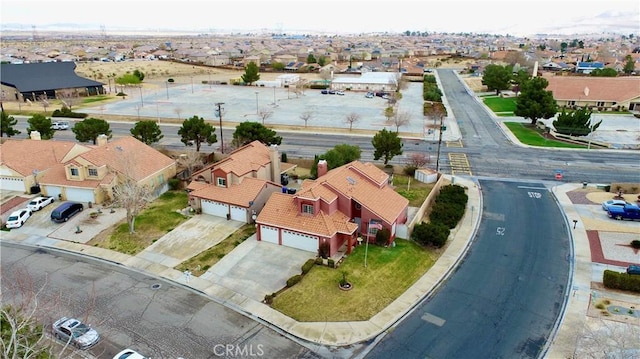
<point x="600" y="93"/>
<point x="78" y="172"/>
<point x="238" y="186"/>
<point x="347" y="203"/>
<point x="368" y="81"/>
<point x="35" y="81"/>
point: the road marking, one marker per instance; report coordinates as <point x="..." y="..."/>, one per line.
<point x="433" y="319"/>
<point x="539" y="188"/>
<point x="500" y="231"/>
<point x="456" y="144"/>
<point x="459" y="164"/>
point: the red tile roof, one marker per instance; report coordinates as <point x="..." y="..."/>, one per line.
<point x="583" y="88"/>
<point x="239" y="194"/>
<point x="24" y="156"/>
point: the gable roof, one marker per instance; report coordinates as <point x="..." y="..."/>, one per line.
<point x="248" y="158"/>
<point x="618" y="89"/>
<point x="25" y="156"/>
<point x="43" y="76"/>
<point x="238" y="194"/>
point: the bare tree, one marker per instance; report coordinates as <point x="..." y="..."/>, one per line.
<point x="607" y="339"/>
<point x="264" y="114"/>
<point x="130" y="194"/>
<point x="351" y="119"/>
<point x="399" y="119"/>
<point x="69" y="98"/>
<point x="418" y="159"/>
<point x="306" y="116"/>
<point x="189" y="161"/>
<point x="435" y="110"/>
<point x="178" y="111"/>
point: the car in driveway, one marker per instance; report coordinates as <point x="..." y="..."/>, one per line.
<point x="65" y="211"/>
<point x="39" y="203"/>
<point x="17" y="218"/>
<point x="74" y="332"/>
<point x="613" y="202"/>
<point x="129" y="354"/>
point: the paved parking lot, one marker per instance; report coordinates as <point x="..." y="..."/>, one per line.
<point x="242" y="102"/>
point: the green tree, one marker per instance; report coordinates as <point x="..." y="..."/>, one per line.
<point x="575" y="123"/>
<point x="6" y="125"/>
<point x="195" y="131"/>
<point x="629" y="65"/>
<point x="128" y="79"/>
<point x="251" y="74"/>
<point x="139" y="74"/>
<point x="42" y="124"/>
<point x="322" y="60"/>
<point x="336" y="157"/>
<point x="311" y="59"/>
<point x="89" y="129"/>
<point x="389" y="111"/>
<point x="277" y="66"/>
<point x="519" y="78"/>
<point x="247" y="132"/>
<point x="387" y="144"/>
<point x="147" y="131"/>
<point x="535" y="101"/>
<point x="497" y="78"/>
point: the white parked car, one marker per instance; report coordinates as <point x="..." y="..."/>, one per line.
<point x="129" y="354"/>
<point x="39" y="203"/>
<point x="60" y="125"/>
<point x="17" y="218"/>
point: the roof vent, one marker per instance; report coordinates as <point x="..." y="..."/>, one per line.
<point x="351" y="181"/>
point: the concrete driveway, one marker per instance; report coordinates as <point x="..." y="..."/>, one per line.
<point x="190" y="238"/>
<point x="256" y="268"/>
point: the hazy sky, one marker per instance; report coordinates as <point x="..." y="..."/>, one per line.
<point x="500" y="17"/>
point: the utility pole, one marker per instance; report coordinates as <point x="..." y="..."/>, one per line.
<point x="442" y="129"/>
<point x="219" y="113"/>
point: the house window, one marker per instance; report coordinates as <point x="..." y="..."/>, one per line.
<point x="307" y="208"/>
<point x="600" y="103"/>
<point x="74" y="172"/>
<point x="160" y="179"/>
<point x="571" y="103"/>
<point x="358" y="206"/>
<point x="93" y="172"/>
<point x="221" y="181"/>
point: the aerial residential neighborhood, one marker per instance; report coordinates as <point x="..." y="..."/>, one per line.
<point x="313" y="195"/>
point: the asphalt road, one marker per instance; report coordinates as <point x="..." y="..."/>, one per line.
<point x="168" y="322"/>
<point x="504" y="299"/>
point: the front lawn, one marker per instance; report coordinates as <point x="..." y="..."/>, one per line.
<point x="413" y="190"/>
<point x="159" y="218"/>
<point x="532" y="137"/>
<point x="501" y="105"/>
<point x="389" y="272"/>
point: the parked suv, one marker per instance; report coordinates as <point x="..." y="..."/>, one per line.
<point x="66" y="211"/>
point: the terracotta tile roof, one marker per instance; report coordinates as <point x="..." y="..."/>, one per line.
<point x="245" y="159"/>
<point x="240" y="194"/>
<point x="56" y="176"/>
<point x="366" y="184"/>
<point x="618" y="89"/>
<point x="24" y="156"/>
<point x="195" y="185"/>
<point x="130" y="156"/>
<point x="281" y="211"/>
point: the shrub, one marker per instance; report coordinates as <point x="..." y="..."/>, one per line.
<point x="319" y="261"/>
<point x="268" y="299"/>
<point x="174" y="184"/>
<point x="409" y="170"/>
<point x="283" y="157"/>
<point x="622" y="281"/>
<point x="306" y="267"/>
<point x="66" y="112"/>
<point x="433" y="234"/>
<point x="382" y="237"/>
<point x="293" y="280"/>
<point x="635" y="244"/>
<point x="331" y="263"/>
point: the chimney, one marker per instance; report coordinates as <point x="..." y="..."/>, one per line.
<point x="101" y="140"/>
<point x="274" y="159"/>
<point x="322" y="168"/>
<point x="35" y="135"/>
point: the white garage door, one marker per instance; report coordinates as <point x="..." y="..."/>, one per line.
<point x="12" y="184"/>
<point x="239" y="214"/>
<point x="269" y="234"/>
<point x="215" y="208"/>
<point x="300" y="241"/>
<point x="80" y="195"/>
<point x="52" y="191"/>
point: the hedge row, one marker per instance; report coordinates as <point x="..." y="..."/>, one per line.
<point x="430" y="90"/>
<point x="446" y="212"/>
<point x="622" y="281"/>
<point x="66" y="112"/>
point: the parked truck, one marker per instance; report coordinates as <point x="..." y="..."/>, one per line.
<point x="629" y="211"/>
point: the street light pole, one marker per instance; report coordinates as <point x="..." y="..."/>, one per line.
<point x="439" y="144"/>
<point x="141" y="100"/>
<point x="219" y="104"/>
<point x="191" y="84"/>
<point x="167" y="84"/>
